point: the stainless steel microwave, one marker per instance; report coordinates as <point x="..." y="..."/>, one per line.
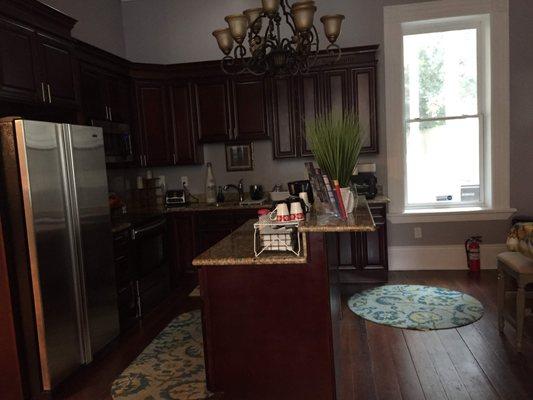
<point x="117" y="142"/>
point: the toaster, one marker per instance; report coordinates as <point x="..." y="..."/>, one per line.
<point x="176" y="198"/>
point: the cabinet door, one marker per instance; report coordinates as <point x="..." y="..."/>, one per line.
<point x="92" y="94"/>
<point x="184" y="125"/>
<point x="284" y="122"/>
<point x="18" y="61"/>
<point x="57" y="70"/>
<point x="157" y="141"/>
<point x="336" y="91"/>
<point x="363" y="91"/>
<point x="182" y="244"/>
<point x="119" y="100"/>
<point x="213" y="111"/>
<point x="250" y="108"/>
<point x="309" y="107"/>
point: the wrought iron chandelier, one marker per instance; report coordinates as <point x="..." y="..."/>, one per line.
<point x="268" y="52"/>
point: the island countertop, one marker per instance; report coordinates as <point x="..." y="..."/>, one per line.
<point x="238" y="247"/>
<point x="359" y="221"/>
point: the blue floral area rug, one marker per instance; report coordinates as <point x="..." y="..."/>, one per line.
<point x="416" y="307"/>
<point x="170" y="368"/>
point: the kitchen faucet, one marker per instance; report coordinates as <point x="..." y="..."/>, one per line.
<point x="239" y="188"/>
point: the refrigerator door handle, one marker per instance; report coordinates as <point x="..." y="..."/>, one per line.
<point x="76" y="246"/>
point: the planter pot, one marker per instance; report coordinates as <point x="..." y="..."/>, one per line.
<point x="348" y="199"/>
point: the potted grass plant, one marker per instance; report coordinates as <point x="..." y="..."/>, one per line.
<point x="336" y="141"/>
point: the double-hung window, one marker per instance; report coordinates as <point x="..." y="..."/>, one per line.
<point x="443" y="113"/>
<point x="447" y="106"/>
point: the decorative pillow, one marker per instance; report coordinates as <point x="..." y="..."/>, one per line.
<point x="520" y="238"/>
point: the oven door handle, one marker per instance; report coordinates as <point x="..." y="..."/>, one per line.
<point x="136" y="232"/>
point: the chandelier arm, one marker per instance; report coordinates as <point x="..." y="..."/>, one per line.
<point x="285" y="7"/>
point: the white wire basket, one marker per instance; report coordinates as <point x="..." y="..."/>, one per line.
<point x="276" y="236"/>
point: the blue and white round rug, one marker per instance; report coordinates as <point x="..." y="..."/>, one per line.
<point x="416" y="307"/>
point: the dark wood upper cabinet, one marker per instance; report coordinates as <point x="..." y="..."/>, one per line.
<point x="336" y="91"/>
<point x="57" y="71"/>
<point x="346" y="86"/>
<point x="213" y="110"/>
<point x="250" y="108"/>
<point x="119" y="99"/>
<point x="92" y="94"/>
<point x="184" y="126"/>
<point x="105" y="96"/>
<point x="309" y="107"/>
<point x="157" y="139"/>
<point x="363" y="93"/>
<point x="18" y="62"/>
<point x="284" y="123"/>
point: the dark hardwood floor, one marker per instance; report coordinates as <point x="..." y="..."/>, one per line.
<point x="379" y="362"/>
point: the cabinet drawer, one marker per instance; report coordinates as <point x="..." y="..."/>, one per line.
<point x="378" y="210"/>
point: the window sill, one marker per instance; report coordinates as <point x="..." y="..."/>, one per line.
<point x="451" y="215"/>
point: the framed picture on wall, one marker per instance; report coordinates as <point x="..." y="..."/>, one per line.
<point x="239" y="157"/>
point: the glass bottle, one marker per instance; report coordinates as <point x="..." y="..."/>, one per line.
<point x="210" y="186"/>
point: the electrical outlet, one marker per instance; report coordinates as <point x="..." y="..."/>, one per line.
<point x="418" y="232"/>
<point x="184" y="181"/>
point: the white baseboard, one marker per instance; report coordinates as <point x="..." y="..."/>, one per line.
<point x="405" y="258"/>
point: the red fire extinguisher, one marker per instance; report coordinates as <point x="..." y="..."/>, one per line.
<point x="472" y="253"/>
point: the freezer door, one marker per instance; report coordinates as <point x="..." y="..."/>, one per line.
<point x="91" y="209"/>
<point x="49" y="233"/>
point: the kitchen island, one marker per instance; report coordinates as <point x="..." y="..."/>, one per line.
<point x="271" y="323"/>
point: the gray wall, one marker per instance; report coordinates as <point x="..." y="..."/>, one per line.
<point x="170" y="31"/>
<point x="99" y="22"/>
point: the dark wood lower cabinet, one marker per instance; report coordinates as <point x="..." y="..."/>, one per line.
<point x="193" y="232"/>
<point x="125" y="277"/>
<point x="362" y="257"/>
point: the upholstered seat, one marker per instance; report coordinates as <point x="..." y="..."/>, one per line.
<point x="519" y="267"/>
<point x="517" y="262"/>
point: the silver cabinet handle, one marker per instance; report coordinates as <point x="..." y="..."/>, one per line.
<point x="106" y="113"/>
<point x="49" y="93"/>
<point x="42" y="92"/>
<point x="110" y="114"/>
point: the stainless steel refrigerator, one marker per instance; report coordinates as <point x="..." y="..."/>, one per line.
<point x="62" y="186"/>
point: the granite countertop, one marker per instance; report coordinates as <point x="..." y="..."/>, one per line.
<point x="378" y="199"/>
<point x="359" y="221"/>
<point x="222" y="206"/>
<point x="238" y="249"/>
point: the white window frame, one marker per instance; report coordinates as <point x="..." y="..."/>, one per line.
<point x="493" y="78"/>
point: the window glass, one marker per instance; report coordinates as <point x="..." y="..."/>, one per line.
<point x="442" y="125"/>
<point x="440" y="72"/>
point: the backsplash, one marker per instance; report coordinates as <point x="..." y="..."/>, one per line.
<point x="266" y="172"/>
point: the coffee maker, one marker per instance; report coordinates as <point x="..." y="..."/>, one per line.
<point x="297" y="187"/>
<point x="365" y="180"/>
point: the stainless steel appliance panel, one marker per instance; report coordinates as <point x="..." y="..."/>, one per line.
<point x="90" y="194"/>
<point x="49" y="233"/>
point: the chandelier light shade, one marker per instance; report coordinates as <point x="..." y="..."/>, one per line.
<point x="332" y="26"/>
<point x="266" y="51"/>
<point x="254" y="20"/>
<point x="270" y="6"/>
<point x="224" y="40"/>
<point x="238" y="24"/>
<point x="303" y="14"/>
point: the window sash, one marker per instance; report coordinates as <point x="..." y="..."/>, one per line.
<point x="450" y="204"/>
